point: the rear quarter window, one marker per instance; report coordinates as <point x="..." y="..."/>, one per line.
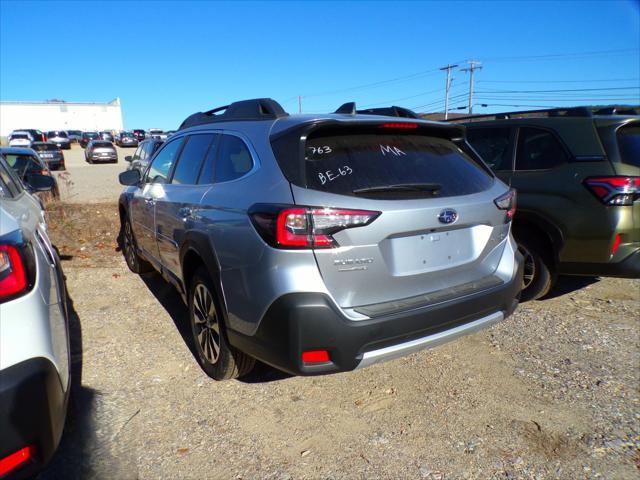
<point x="347" y="163"/>
<point x="629" y="144"/>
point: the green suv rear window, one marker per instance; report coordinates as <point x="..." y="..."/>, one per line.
<point x="629" y="144"/>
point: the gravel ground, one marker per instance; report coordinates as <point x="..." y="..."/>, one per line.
<point x="83" y="182"/>
<point x="552" y="392"/>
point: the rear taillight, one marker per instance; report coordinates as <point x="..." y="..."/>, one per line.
<point x="507" y="202"/>
<point x="15" y="460"/>
<point x="13" y="272"/>
<point x="614" y="190"/>
<point x="306" y="227"/>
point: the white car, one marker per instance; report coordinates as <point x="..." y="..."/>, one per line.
<point x="20" y="138"/>
<point x="34" y="331"/>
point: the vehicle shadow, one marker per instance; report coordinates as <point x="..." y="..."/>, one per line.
<point x="76" y="454"/>
<point x="171" y="301"/>
<point x="568" y="284"/>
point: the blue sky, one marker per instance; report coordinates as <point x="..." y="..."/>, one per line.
<point x="166" y="60"/>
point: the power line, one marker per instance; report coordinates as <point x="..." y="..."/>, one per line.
<point x="563" y="90"/>
<point x="562" y="81"/>
<point x="387" y="102"/>
<point x="375" y="84"/>
<point x="562" y="55"/>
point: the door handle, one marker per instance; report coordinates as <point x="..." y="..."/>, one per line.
<point x="185" y="212"/>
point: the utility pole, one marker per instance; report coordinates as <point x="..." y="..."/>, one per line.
<point x="299" y="104"/>
<point x="448" y="68"/>
<point x="473" y="65"/>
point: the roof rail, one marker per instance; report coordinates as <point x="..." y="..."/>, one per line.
<point x="254" y="109"/>
<point x="583" y="111"/>
<point x="393" y="111"/>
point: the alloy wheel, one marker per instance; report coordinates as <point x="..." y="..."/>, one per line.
<point x="206" y="323"/>
<point x="529" y="267"/>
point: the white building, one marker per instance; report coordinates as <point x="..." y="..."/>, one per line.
<point x="59" y="115"/>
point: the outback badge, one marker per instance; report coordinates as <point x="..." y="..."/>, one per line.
<point x="448" y="216"/>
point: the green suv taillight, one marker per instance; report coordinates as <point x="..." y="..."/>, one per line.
<point x="617" y="190"/>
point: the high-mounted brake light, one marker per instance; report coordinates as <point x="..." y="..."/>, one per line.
<point x="405" y="125"/>
<point x="617" y="191"/>
<point x="306" y="227"/>
<point x="16" y="459"/>
<point x="507" y="202"/>
<point x="13" y="275"/>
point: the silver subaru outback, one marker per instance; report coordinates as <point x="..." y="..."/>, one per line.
<point x="322" y="243"/>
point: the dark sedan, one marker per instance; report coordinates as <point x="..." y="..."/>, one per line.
<point x="126" y="139"/>
<point x="100" y="151"/>
<point x="87" y="137"/>
<point x="51" y="154"/>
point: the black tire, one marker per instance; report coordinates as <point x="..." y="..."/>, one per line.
<point x="130" y="251"/>
<point x="209" y="333"/>
<point x="539" y="270"/>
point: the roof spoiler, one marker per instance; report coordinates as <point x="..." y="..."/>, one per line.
<point x="393" y="111"/>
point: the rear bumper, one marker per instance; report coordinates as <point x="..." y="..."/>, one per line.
<point x="103" y="159"/>
<point x="299" y="322"/>
<point x="629" y="267"/>
<point x="32" y="412"/>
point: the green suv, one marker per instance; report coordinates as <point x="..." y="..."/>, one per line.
<point x="577" y="173"/>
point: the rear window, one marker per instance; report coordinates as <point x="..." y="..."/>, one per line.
<point x="44" y="147"/>
<point x="20" y="136"/>
<point x="629" y="144"/>
<point x="90" y="134"/>
<point x="102" y="145"/>
<point x="57" y="134"/>
<point x="349" y="164"/>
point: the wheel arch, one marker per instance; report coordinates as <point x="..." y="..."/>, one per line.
<point x="533" y="223"/>
<point x="197" y="251"/>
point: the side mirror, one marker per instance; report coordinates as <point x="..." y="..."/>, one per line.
<point x="40" y="183"/>
<point x="128" y="158"/>
<point x="129" y="178"/>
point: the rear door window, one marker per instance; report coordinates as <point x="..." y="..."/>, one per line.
<point x="350" y="164"/>
<point x="493" y="145"/>
<point x="629" y="144"/>
<point x="539" y="150"/>
<point x="234" y="159"/>
<point x="191" y="158"/>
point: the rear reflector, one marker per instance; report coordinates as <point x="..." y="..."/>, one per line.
<point x="13" y="276"/>
<point x="616" y="244"/>
<point x="405" y="125"/>
<point x="618" y="191"/>
<point x="315" y="356"/>
<point x="16" y="459"/>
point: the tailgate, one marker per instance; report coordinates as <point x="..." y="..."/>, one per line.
<point x="438" y="227"/>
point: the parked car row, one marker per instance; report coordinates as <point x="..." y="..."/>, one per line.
<point x="63" y="139"/>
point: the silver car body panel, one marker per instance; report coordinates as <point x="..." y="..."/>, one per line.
<point x="34" y="325"/>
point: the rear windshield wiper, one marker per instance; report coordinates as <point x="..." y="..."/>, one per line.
<point x="432" y="188"/>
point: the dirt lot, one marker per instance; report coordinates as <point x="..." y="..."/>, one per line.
<point x="552" y="392"/>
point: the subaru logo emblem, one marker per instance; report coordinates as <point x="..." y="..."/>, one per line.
<point x="448" y="216"/>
